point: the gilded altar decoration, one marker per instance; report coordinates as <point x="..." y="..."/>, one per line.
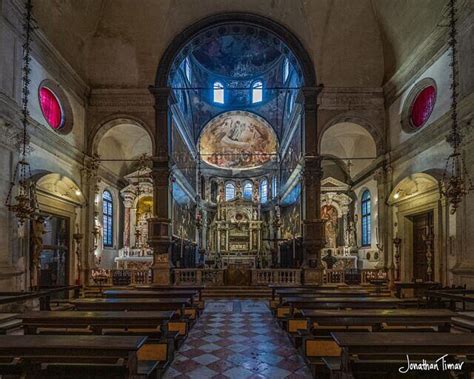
<point x="329" y="213"/>
<point x="238" y="140"/>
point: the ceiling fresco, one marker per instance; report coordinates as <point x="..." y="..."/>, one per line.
<point x="238" y="140"/>
<point x="237" y="56"/>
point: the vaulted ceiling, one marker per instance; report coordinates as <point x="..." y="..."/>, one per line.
<point x="118" y="43"/>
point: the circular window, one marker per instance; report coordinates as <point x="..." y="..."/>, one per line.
<point x="419" y="105"/>
<point x="55" y="107"/>
<point x="51" y="108"/>
<point x="423" y="106"/>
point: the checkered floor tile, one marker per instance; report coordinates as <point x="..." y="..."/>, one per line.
<point x="232" y="341"/>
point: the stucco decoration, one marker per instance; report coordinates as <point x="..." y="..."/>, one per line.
<point x="238" y="140"/>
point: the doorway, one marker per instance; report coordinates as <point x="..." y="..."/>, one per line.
<point x="422" y="223"/>
<point x="54" y="258"/>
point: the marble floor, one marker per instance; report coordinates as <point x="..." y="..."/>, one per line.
<point x="237" y="339"/>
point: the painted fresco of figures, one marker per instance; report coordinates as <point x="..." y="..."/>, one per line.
<point x="239" y="140"/>
<point x="329" y="213"/>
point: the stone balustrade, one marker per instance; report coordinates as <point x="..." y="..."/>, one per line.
<point x="276" y="276"/>
<point x="117" y="277"/>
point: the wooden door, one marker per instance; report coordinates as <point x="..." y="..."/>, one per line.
<point x="421" y="225"/>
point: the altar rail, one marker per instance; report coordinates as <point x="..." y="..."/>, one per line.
<point x="116" y="277"/>
<point x="196" y="276"/>
<point x="276" y="276"/>
<point x="215" y="277"/>
<point x="352" y="276"/>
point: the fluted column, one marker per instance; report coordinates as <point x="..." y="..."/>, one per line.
<point x="159" y="226"/>
<point x="313" y="225"/>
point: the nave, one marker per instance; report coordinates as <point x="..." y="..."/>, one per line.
<point x="330" y="331"/>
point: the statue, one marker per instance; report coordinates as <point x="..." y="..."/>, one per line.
<point x="38" y="230"/>
<point x="329" y="260"/>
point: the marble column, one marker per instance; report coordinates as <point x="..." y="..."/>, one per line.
<point x="382" y="176"/>
<point x="313" y="225"/>
<point x="159" y="226"/>
<point x="127" y="203"/>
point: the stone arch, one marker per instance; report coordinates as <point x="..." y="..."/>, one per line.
<point x="101" y="128"/>
<point x="419" y="182"/>
<point x="179" y="42"/>
<point x="59" y="185"/>
<point x="358" y="120"/>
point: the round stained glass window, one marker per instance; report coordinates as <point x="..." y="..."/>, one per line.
<point x="51" y="108"/>
<point x="422" y="106"/>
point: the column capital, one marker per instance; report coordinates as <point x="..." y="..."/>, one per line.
<point x="161" y="95"/>
<point x="310" y="95"/>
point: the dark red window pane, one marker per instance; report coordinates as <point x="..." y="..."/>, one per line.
<point x="51" y="108"/>
<point x="423" y="106"/>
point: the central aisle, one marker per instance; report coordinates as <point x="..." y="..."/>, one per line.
<point x="237" y="339"/>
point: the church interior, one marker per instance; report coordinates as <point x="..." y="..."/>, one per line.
<point x="253" y="189"/>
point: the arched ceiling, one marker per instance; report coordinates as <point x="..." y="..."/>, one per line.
<point x="118" y="43"/>
<point x="347" y="140"/>
<point x="124" y="141"/>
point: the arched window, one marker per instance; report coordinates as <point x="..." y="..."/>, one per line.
<point x="229" y="191"/>
<point x="218" y="93"/>
<point x="366" y="220"/>
<point x="286" y="69"/>
<point x="257" y="92"/>
<point x="248" y="189"/>
<point x="264" y="191"/>
<point x="274" y="187"/>
<point x="187" y="69"/>
<point x="107" y="218"/>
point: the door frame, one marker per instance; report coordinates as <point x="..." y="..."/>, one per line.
<point x="404" y="211"/>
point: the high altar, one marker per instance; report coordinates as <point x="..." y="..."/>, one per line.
<point x="236" y="233"/>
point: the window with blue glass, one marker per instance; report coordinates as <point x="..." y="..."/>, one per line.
<point x="257" y="92"/>
<point x="366" y="220"/>
<point x="218" y="93"/>
<point x="264" y="191"/>
<point x="187" y="69"/>
<point x="107" y="218"/>
<point x="248" y="189"/>
<point x="286" y="69"/>
<point x="229" y="191"/>
<point x="274" y="187"/>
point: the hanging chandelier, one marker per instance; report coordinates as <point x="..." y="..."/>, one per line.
<point x="456" y="182"/>
<point x="21" y="197"/>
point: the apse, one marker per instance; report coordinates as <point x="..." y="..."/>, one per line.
<point x="234" y="66"/>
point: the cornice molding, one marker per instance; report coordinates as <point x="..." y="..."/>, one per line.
<point x="350" y="98"/>
<point x="123" y="99"/>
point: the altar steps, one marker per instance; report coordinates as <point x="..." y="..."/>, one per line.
<point x="237" y="292"/>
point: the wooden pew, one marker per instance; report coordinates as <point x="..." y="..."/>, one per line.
<point x="95" y="321"/>
<point x="191" y="312"/>
<point x="301" y="302"/>
<point x="371" y="352"/>
<point x="419" y="288"/>
<point x="452" y="296"/>
<point x="132" y="304"/>
<point x="91" y="355"/>
<point x="157" y="287"/>
<point x="379" y="319"/>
